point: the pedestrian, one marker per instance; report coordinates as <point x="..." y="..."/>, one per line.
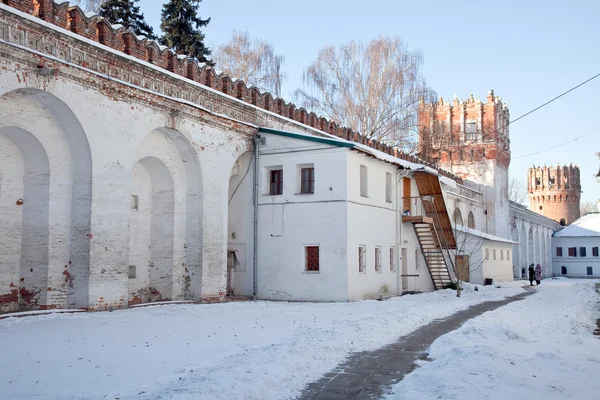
<point x="538" y="274"/>
<point x="531" y="274"/>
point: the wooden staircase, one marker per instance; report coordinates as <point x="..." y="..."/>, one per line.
<point x="432" y="251"/>
<point x="434" y="230"/>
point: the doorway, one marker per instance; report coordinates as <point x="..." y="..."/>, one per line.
<point x="462" y="268"/>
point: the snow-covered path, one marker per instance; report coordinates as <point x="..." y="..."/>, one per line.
<point x="538" y="348"/>
<point x="262" y="350"/>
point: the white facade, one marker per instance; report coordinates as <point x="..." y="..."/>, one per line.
<point x="490" y="257"/>
<point x="575" y="249"/>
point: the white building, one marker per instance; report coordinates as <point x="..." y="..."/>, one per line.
<point x="575" y="248"/>
<point x="339" y="221"/>
<point x="488" y="257"/>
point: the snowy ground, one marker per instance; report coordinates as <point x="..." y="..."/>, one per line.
<point x="538" y="348"/>
<point x="262" y="350"/>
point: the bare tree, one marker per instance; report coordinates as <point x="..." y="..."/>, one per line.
<point x="469" y="251"/>
<point x="517" y="189"/>
<point x="89" y="5"/>
<point x="252" y="60"/>
<point x="587" y="207"/>
<point x="373" y="89"/>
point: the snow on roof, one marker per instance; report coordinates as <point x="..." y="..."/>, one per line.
<point x="588" y="225"/>
<point x="484" y="235"/>
<point x="380" y="155"/>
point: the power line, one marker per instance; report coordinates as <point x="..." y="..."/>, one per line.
<point x="558" y="145"/>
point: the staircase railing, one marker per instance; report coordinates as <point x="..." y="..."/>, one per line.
<point x="442" y="241"/>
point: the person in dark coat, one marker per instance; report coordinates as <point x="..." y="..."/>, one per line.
<point x="538" y="274"/>
<point x="531" y="274"/>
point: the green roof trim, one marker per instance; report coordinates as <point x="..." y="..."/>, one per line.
<point x="309" y="138"/>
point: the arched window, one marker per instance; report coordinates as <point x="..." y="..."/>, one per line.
<point x="458" y="219"/>
<point x="471" y="220"/>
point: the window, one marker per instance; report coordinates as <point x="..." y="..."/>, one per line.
<point x="582" y="252"/>
<point x="595" y="251"/>
<point x="494" y="254"/>
<point x="563" y="270"/>
<point x="132" y="272"/>
<point x="393" y="259"/>
<point x="388" y="187"/>
<point x="377" y="259"/>
<point x="307" y="180"/>
<point x="135" y="202"/>
<point x="364" y="188"/>
<point x="572" y="251"/>
<point x="311" y="258"/>
<point x="487" y="255"/>
<point x="590" y="270"/>
<point x="471" y="130"/>
<point x="559" y="252"/>
<point x="508" y="255"/>
<point x="362" y="259"/>
<point x="502" y="255"/>
<point x="276" y="182"/>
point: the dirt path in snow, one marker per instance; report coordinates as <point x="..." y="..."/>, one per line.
<point x="369" y="375"/>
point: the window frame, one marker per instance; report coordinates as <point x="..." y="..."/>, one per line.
<point x="595" y="251"/>
<point x="494" y="254"/>
<point x="364" y="181"/>
<point x="572" y="251"/>
<point x="362" y="259"/>
<point x="559" y="252"/>
<point x="582" y="251"/>
<point x="310" y="181"/>
<point x="306" y="258"/>
<point x="392" y="259"/>
<point x="378" y="259"/>
<point x="388" y="187"/>
<point x="279" y="185"/>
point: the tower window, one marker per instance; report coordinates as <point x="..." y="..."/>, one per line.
<point x="540" y="207"/>
<point x="471" y="131"/>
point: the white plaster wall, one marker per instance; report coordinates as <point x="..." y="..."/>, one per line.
<point x="500" y="269"/>
<point x="12" y="171"/>
<point x="290" y="221"/>
<point x="371" y="222"/>
<point x="115" y="129"/>
<point x="240" y="223"/>
<point x="576" y="266"/>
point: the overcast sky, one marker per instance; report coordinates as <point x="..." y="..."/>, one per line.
<point x="527" y="51"/>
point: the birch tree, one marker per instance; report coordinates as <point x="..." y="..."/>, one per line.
<point x="517" y="189"/>
<point x="252" y="60"/>
<point x="374" y="89"/>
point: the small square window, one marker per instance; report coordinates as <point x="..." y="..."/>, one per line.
<point x="134" y="202"/>
<point x="276" y="182"/>
<point x="307" y="180"/>
<point x="362" y="259"/>
<point x="563" y="270"/>
<point x="559" y="252"/>
<point x="377" y="259"/>
<point x="132" y="272"/>
<point x="311" y="256"/>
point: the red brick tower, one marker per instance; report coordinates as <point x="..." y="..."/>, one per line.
<point x="470" y="138"/>
<point x="555" y="192"/>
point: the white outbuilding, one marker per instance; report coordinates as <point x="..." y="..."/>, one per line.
<point x="575" y="248"/>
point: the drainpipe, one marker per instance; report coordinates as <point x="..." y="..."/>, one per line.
<point x="256" y="141"/>
<point x="399" y="176"/>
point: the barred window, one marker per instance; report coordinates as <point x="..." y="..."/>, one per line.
<point x="311" y="256"/>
